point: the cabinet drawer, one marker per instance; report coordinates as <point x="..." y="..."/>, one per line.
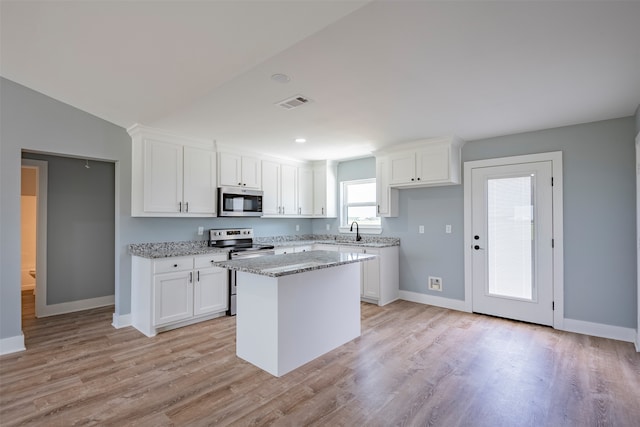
<point x="205" y="261"/>
<point x="173" y="264"/>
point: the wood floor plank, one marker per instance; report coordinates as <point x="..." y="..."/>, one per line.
<point x="413" y="365"/>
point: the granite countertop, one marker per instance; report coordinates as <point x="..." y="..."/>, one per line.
<point x="283" y="265"/>
<point x="173" y="249"/>
<point x="199" y="247"/>
<point x="329" y="239"/>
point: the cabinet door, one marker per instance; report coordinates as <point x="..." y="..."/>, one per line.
<point x="173" y="297"/>
<point x="162" y="176"/>
<point x="288" y="183"/>
<point x="210" y="291"/>
<point x="402" y="168"/>
<point x="305" y="191"/>
<point x="386" y="197"/>
<point x="433" y="164"/>
<point x="319" y="191"/>
<point x="371" y="276"/>
<point x="199" y="195"/>
<point x="230" y="166"/>
<point x="250" y="172"/>
<point x="271" y="188"/>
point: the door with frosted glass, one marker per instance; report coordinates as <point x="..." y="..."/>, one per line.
<point x="512" y="254"/>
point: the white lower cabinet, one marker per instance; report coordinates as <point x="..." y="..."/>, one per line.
<point x="380" y="277"/>
<point x="173" y="292"/>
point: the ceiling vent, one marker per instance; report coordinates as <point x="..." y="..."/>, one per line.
<point x="293" y="102"/>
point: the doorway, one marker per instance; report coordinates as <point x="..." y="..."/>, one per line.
<point x="33" y="204"/>
<point x="512" y="237"/>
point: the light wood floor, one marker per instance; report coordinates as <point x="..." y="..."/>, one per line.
<point x="413" y="365"/>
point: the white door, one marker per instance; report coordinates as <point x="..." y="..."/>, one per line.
<point x="199" y="181"/>
<point x="173" y="297"/>
<point x="210" y="292"/>
<point x="271" y="188"/>
<point x="511" y="246"/>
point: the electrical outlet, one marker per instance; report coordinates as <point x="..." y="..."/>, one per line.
<point x="200" y="231"/>
<point x="435" y="283"/>
<point x="421" y="229"/>
<point x="297" y="227"/>
<point x="447" y="228"/>
<point x="328" y="227"/>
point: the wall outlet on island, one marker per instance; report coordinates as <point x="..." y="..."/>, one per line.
<point x="435" y="283"/>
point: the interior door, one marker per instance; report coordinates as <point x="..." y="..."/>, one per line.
<point x="512" y="253"/>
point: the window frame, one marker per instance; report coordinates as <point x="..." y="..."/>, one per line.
<point x="364" y="229"/>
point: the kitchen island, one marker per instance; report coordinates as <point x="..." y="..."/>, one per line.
<point x="296" y="307"/>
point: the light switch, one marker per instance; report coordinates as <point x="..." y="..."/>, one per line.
<point x="421" y="229"/>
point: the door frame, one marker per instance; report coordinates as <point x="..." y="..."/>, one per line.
<point x="557" y="213"/>
<point x="41" y="168"/>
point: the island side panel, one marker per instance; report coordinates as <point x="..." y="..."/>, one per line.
<point x="257" y="321"/>
<point x="318" y="311"/>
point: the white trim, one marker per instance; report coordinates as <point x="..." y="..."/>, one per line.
<point x="558" y="234"/>
<point x="453" y="304"/>
<point x="41" y="167"/>
<point x="12" y="344"/>
<point x="121" y="320"/>
<point x="72" y="306"/>
<point x="599" y="330"/>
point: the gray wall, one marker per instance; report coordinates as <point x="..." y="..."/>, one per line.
<point x="599" y="219"/>
<point x="80" y="228"/>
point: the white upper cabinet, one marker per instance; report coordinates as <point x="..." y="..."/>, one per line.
<point x="237" y="170"/>
<point x="287" y="189"/>
<point x="324" y="189"/>
<point x="386" y="197"/>
<point x="271" y="204"/>
<point x="430" y="162"/>
<point x="305" y="191"/>
<point x="171" y="175"/>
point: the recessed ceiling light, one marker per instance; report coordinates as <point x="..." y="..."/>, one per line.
<point x="281" y="78"/>
<point x="301" y="140"/>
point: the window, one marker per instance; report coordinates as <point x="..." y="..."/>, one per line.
<point x="358" y="203"/>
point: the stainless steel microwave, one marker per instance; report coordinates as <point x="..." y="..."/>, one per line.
<point x="239" y="202"/>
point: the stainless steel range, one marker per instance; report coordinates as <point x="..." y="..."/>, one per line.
<point x="239" y="241"/>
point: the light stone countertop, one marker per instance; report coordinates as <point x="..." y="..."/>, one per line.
<point x="199" y="247"/>
<point x="283" y="265"/>
<point x="173" y="249"/>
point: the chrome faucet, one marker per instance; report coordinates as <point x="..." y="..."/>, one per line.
<point x="358" y="236"/>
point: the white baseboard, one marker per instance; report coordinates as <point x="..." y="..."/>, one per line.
<point x="12" y="344"/>
<point x="600" y="330"/>
<point x="70" y="307"/>
<point x="121" y="320"/>
<point x="453" y="304"/>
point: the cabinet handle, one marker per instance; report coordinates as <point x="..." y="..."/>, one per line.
<point x="322" y="210"/>
<point x="198" y="275"/>
<point x="412" y="179"/>
<point x="191" y="277"/>
<point x="175" y="265"/>
<point x="299" y="211"/>
<point x="378" y="208"/>
<point x="179" y="206"/>
<point x="418" y="179"/>
<point x="186" y="207"/>
<point x="244" y="185"/>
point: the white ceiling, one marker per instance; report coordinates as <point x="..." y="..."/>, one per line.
<point x="378" y="73"/>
